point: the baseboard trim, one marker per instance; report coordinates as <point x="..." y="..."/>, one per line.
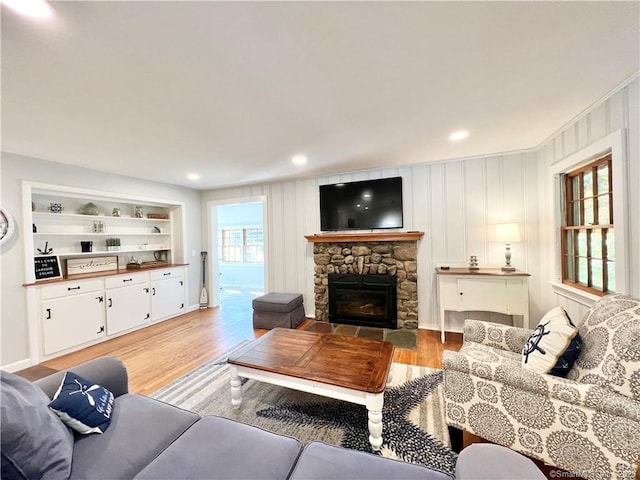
<point x="21" y="365"/>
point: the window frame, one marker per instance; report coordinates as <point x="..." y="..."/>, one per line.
<point x="570" y="224"/>
<point x="240" y="248"/>
<point x="614" y="143"/>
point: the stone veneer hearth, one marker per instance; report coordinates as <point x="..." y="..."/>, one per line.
<point x="397" y="258"/>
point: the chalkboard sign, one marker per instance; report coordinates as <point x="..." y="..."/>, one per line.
<point x="47" y="266"/>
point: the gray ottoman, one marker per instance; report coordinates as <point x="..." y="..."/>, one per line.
<point x="278" y="310"/>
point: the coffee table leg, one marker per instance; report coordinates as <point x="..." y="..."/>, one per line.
<point x="236" y="388"/>
<point x="374" y="413"/>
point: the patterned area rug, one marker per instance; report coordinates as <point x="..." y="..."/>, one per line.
<point x="414" y="429"/>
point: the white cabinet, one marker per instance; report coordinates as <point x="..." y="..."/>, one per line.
<point x="127" y="302"/>
<point x="167" y="293"/>
<point x="75" y="314"/>
<point x="70" y="316"/>
<point x="488" y="289"/>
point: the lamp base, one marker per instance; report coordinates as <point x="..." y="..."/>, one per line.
<point x="508" y="269"/>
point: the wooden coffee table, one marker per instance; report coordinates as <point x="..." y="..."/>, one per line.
<point x="344" y="368"/>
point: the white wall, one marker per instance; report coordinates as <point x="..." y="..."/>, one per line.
<point x="14" y="342"/>
<point x="456" y="204"/>
<point x="620" y="111"/>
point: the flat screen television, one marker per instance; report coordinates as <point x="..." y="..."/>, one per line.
<point x="365" y="205"/>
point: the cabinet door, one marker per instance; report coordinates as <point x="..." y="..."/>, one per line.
<point x="484" y="294"/>
<point x="518" y="296"/>
<point x="127" y="307"/>
<point x="71" y="321"/>
<point x="167" y="298"/>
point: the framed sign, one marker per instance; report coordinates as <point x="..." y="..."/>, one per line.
<point x="78" y="266"/>
<point x="47" y="266"/>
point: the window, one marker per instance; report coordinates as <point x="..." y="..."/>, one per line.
<point x="242" y="245"/>
<point x="253" y="245"/>
<point x="588" y="247"/>
<point x="232" y="245"/>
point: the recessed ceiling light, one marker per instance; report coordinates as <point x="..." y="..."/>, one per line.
<point x="459" y="135"/>
<point x="299" y="160"/>
<point x="31" y="8"/>
<point x="193" y="176"/>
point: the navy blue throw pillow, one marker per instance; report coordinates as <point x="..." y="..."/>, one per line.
<point x="554" y="345"/>
<point x="83" y="405"/>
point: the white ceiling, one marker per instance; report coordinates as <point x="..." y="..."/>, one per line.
<point x="231" y="90"/>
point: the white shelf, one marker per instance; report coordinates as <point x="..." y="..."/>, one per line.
<point x="102" y="252"/>
<point x="108" y="234"/>
<point x="100" y="217"/>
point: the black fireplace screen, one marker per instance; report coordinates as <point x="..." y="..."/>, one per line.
<point x="368" y="300"/>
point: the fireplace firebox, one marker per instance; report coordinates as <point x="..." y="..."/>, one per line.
<point x="365" y="300"/>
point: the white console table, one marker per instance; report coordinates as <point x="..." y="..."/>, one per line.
<point x="485" y="289"/>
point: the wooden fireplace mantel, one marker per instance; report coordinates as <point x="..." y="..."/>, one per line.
<point x="364" y="237"/>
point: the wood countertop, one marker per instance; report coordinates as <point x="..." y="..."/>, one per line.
<point x="85" y="276"/>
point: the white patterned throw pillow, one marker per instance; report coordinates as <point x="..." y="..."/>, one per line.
<point x="553" y="346"/>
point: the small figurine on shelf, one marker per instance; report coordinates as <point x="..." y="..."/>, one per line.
<point x="115" y="212"/>
<point x="138" y="212"/>
<point x="56" y="207"/>
<point x="46" y="250"/>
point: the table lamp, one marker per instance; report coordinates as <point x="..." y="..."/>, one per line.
<point x="508" y="232"/>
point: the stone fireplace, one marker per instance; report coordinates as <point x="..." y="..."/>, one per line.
<point x="357" y="255"/>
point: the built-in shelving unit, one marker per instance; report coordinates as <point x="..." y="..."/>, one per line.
<point x="60" y="223"/>
<point x="67" y="312"/>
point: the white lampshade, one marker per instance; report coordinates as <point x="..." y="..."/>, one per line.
<point x="507" y="232"/>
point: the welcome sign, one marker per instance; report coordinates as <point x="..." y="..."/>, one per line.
<point x="79" y="266"/>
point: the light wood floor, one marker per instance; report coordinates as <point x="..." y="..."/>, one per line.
<point x="157" y="355"/>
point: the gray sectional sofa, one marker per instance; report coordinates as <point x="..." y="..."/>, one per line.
<point x="148" y="439"/>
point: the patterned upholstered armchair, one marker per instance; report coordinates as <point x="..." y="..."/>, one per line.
<point x="588" y="423"/>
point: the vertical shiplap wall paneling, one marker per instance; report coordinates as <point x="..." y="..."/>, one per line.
<point x="277" y="236"/>
<point x="475" y="194"/>
<point x="633" y="172"/>
<point x="438" y="215"/>
<point x="455" y="221"/>
<point x="311" y="219"/>
<point x="494" y="209"/>
<point x="420" y="206"/>
<point x="531" y="236"/>
<point x="513" y="207"/>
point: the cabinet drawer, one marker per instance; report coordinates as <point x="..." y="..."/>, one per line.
<point x="126" y="280"/>
<point x="67" y="289"/>
<point x="166" y="273"/>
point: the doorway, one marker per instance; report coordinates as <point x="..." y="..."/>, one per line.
<point x="238" y="253"/>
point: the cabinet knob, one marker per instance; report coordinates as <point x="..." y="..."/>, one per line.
<point x="127" y="280"/>
<point x="110" y="303"/>
<point x="165" y="274"/>
<point x="73" y="288"/>
<point x="461" y="293"/>
<point x="48" y="310"/>
<point x="148" y="315"/>
<point x="101" y="329"/>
